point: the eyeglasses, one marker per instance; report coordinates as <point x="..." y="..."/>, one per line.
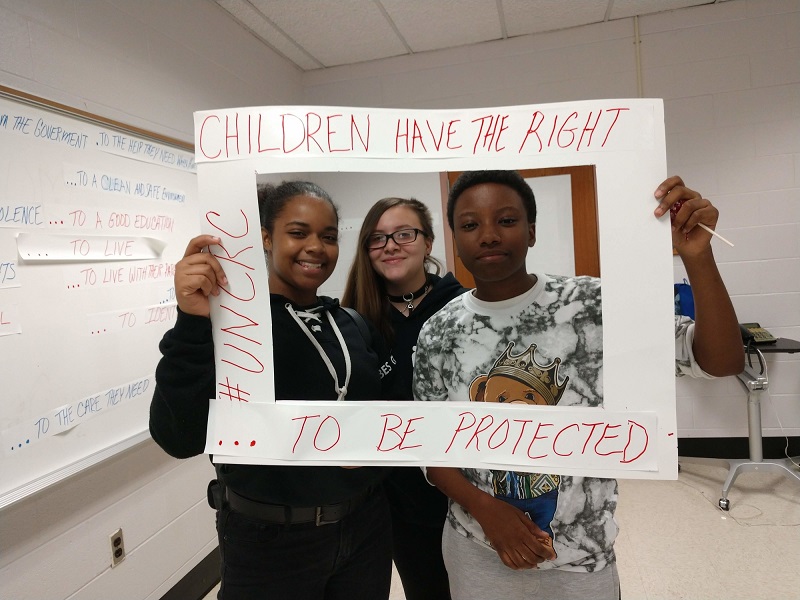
<point x="401" y="237"/>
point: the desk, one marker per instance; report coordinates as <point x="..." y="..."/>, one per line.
<point x="784" y="345"/>
<point x="755" y="380"/>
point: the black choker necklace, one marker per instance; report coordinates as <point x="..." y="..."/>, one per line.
<point x="410" y="297"/>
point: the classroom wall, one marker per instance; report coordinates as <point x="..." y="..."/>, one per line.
<point x="149" y="64"/>
<point x="730" y="79"/>
<point x="729" y="74"/>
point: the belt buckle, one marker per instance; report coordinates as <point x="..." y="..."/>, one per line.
<point x="318" y="520"/>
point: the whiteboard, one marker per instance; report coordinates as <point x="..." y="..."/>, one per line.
<point x="93" y="218"/>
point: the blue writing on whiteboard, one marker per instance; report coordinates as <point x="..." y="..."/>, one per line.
<point x="173" y="196"/>
<point x="64" y="415"/>
<point x="147" y="190"/>
<point x="185" y="161"/>
<point x="21" y="214"/>
<point x="8" y="272"/>
<point x="21" y="124"/>
<point x="137" y="388"/>
<point x="56" y="133"/>
<point x="88" y="406"/>
<point x="114" y="396"/>
<point x="42" y="426"/>
<point x="115" y="184"/>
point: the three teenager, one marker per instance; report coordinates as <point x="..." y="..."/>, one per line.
<point x="508" y="534"/>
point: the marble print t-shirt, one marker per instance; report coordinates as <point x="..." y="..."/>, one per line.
<point x="542" y="347"/>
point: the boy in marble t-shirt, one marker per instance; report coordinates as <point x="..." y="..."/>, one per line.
<point x="536" y="338"/>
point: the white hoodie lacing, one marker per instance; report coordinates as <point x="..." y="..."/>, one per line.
<point x="311" y="315"/>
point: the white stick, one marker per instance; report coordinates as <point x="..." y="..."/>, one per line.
<point x="712" y="232"/>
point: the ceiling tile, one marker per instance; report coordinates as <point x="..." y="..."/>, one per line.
<point x="535" y="16"/>
<point x="621" y="9"/>
<point x="427" y="25"/>
<point x="335" y="33"/>
<point x="315" y="34"/>
<point x="252" y="19"/>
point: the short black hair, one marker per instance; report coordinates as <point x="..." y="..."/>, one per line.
<point x="510" y="179"/>
<point x="272" y="199"/>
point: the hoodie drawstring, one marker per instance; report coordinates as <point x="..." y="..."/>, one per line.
<point x="341" y="392"/>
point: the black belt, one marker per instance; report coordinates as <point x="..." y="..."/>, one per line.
<point x="294" y="515"/>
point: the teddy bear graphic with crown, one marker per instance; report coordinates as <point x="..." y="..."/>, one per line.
<point x="520" y="379"/>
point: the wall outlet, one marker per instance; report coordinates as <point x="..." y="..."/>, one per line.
<point x="117" y="548"/>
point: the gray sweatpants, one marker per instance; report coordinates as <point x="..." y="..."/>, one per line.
<point x="477" y="573"/>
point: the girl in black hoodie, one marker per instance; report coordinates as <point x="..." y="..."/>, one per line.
<point x="285" y="531"/>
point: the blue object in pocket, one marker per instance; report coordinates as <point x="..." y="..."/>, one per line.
<point x="684" y="301"/>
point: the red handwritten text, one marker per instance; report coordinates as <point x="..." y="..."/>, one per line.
<point x="333" y="431"/>
<point x="411" y="135"/>
<point x="231" y="136"/>
<point x="237" y="259"/>
<point x="398" y="435"/>
<point x="599" y="438"/>
<point x="561" y="133"/>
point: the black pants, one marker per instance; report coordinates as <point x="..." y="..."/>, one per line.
<point x="417" y="553"/>
<point x="348" y="560"/>
<point x="419" y="511"/>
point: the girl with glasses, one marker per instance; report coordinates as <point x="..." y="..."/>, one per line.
<point x="395" y="283"/>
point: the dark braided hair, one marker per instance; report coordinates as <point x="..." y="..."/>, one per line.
<point x="272" y="199"/>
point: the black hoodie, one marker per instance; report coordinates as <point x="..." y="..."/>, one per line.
<point x="406" y="329"/>
<point x="412" y="499"/>
<point x="185" y="380"/>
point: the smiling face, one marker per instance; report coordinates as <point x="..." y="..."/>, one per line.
<point x="492" y="235"/>
<point x="302" y="248"/>
<point x="400" y="266"/>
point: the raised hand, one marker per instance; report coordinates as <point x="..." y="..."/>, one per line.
<point x="198" y="275"/>
<point x="687" y="210"/>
